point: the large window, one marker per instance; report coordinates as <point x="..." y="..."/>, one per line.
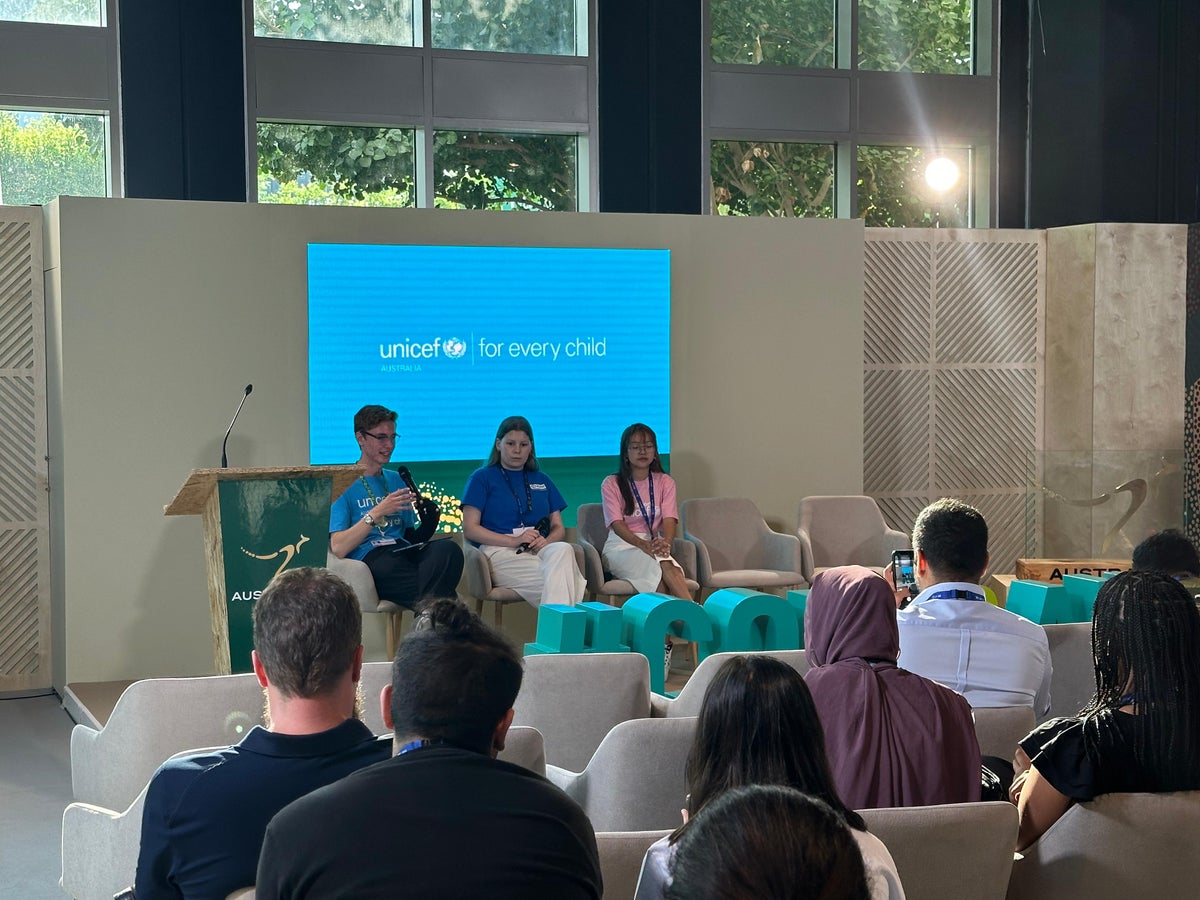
<point x="915" y="36"/>
<point x="345" y="21"/>
<point x="46" y="154"/>
<point x="772" y="178"/>
<point x="774" y="32"/>
<point x="53" y="12"/>
<point x="480" y="170"/>
<point x="914" y="187"/>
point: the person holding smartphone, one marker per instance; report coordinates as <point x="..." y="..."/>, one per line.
<point x="383" y="522"/>
<point x="513" y="513"/>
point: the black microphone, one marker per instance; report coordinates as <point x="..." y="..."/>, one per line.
<point x="224" y="458"/>
<point x="542" y="528"/>
<point x="406" y="477"/>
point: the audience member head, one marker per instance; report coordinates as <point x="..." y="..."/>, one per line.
<point x="758" y="725"/>
<point x="307" y="632"/>
<point x="767" y="842"/>
<point x="952" y="539"/>
<point x="367" y="418"/>
<point x="851" y="614"/>
<point x="454" y="680"/>
<point x="520" y="425"/>
<point x="1145" y="644"/>
<point x="1167" y="551"/>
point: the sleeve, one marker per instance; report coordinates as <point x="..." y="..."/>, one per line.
<point x="668" y="506"/>
<point x="476" y="492"/>
<point x="1056" y="749"/>
<point x="1041" y="702"/>
<point x="610" y="496"/>
<point x="341" y="515"/>
<point x="654" y="878"/>
<point x="555" y="498"/>
<point x="155" y="863"/>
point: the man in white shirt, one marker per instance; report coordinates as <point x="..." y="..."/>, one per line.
<point x="951" y="634"/>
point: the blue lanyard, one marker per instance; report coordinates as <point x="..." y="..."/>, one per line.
<point x="956" y="595"/>
<point x="418" y="744"/>
<point x="649" y="520"/>
<point x="521" y="513"/>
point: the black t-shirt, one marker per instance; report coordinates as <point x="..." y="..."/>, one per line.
<point x="435" y="822"/>
<point x="1083" y="758"/>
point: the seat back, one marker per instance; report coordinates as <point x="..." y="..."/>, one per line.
<point x="731" y="529"/>
<point x="691" y="696"/>
<point x="844" y="531"/>
<point x="525" y="747"/>
<point x="998" y="729"/>
<point x="1115" y="847"/>
<point x="961" y="850"/>
<point x="621" y="854"/>
<point x="575" y="699"/>
<point x="589" y="524"/>
<point x="153" y="719"/>
<point x="1074" y="679"/>
<point x="635" y="781"/>
<point x="374" y="676"/>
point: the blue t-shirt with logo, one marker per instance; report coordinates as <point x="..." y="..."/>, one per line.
<point x="507" y="500"/>
<point x="357" y="502"/>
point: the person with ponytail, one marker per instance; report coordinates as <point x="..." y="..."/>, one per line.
<point x="1141" y="730"/>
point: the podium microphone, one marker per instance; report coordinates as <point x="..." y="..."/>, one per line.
<point x="224" y="458"/>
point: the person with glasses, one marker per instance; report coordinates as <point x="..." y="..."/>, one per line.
<point x="385" y="524"/>
<point x="641" y="515"/>
<point x="512" y="512"/>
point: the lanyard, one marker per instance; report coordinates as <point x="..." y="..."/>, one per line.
<point x="516" y="499"/>
<point x="956" y="595"/>
<point x="649" y="520"/>
<point x="419" y="744"/>
<point x="385" y="522"/>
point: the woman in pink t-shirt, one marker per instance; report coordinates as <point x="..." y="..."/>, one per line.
<point x="641" y="515"/>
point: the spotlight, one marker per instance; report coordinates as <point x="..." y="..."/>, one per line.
<point x="941" y="174"/>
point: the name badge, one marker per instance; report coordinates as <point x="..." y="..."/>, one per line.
<point x="383" y="542"/>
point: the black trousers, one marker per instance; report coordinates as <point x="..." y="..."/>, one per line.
<point x="410" y="576"/>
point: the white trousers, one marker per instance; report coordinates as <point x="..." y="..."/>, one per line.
<point x="550" y="575"/>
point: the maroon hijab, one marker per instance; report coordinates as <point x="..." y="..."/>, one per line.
<point x="894" y="738"/>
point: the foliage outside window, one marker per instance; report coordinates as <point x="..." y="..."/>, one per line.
<point x="892" y="190"/>
<point x="387" y="22"/>
<point x="335" y="165"/>
<point x="43" y="155"/>
<point x="482" y="170"/>
<point x="915" y="36"/>
<point x="506" y="26"/>
<point x="772" y="178"/>
<point x="774" y="32"/>
<point x="53" y="12"/>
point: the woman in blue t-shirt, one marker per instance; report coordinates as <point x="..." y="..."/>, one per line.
<point x="513" y="513"/>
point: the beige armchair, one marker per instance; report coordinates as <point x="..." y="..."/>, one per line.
<point x="735" y="548"/>
<point x="356" y="574"/>
<point x="592" y="532"/>
<point x="479" y="581"/>
<point x="1073" y="680"/>
<point x="998" y="729"/>
<point x="846" y="531"/>
<point x="691" y="695"/>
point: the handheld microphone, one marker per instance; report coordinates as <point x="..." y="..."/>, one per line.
<point x="224" y="458"/>
<point x="406" y="477"/>
<point x="542" y="528"/>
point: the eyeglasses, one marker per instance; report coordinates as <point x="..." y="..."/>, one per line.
<point x="637" y="448"/>
<point x="383" y="438"/>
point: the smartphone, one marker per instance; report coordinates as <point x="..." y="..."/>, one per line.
<point x="904" y="570"/>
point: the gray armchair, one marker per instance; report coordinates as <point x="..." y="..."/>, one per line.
<point x="735" y="548"/>
<point x="592" y="532"/>
<point x="846" y="531"/>
<point x="356" y="574"/>
<point x="479" y="581"/>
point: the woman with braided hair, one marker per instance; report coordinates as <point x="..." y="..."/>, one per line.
<point x="1141" y="730"/>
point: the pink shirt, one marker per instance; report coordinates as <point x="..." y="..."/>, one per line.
<point x="664" y="502"/>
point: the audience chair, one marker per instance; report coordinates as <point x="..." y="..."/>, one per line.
<point x="100" y="845"/>
<point x="635" y="780"/>
<point x="1000" y="728"/>
<point x="374" y="676"/>
<point x="592" y="532"/>
<point x="1073" y="681"/>
<point x="575" y="699"/>
<point x="691" y="695"/>
<point x="735" y="548"/>
<point x="1115" y="847"/>
<point x="356" y="574"/>
<point x="524" y="747"/>
<point x="242" y="894"/>
<point x="621" y="854"/>
<point x="959" y="850"/>
<point x="846" y="531"/>
<point x="152" y="720"/>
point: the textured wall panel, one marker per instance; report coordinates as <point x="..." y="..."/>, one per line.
<point x="24" y="511"/>
<point x="954" y="376"/>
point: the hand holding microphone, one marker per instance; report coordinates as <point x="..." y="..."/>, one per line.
<point x="543" y="529"/>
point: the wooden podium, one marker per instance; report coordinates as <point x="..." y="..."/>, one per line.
<point x="257" y="522"/>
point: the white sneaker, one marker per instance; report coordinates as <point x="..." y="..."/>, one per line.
<point x="667" y="660"/>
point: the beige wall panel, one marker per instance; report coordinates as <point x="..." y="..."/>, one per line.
<point x="166" y="310"/>
<point x="1070" y="309"/>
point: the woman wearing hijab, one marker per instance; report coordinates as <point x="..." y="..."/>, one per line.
<point x="893" y="737"/>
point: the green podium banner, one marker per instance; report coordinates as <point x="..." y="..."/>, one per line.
<point x="267" y="526"/>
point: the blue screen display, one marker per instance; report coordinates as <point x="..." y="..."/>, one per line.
<point x="455" y="339"/>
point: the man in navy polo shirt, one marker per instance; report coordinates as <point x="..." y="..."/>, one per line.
<point x="205" y="815"/>
<point x="952" y="635"/>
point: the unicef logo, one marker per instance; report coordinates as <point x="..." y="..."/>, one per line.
<point x="454" y="348"/>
